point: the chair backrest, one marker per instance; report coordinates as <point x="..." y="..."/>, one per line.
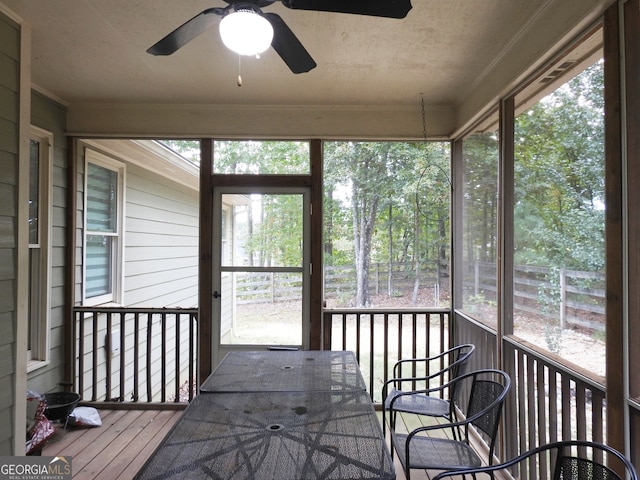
<point x="588" y="464"/>
<point x="450" y="360"/>
<point x="574" y="468"/>
<point x="574" y="460"/>
<point x="487" y="394"/>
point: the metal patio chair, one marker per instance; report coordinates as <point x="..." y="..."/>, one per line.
<point x="429" y="447"/>
<point x="564" y="460"/>
<point x="420" y="402"/>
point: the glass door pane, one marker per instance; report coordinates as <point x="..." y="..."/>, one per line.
<point x="259" y="285"/>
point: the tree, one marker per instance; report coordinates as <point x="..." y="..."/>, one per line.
<point x="365" y="165"/>
<point x="189" y="149"/>
<point x="480" y="197"/>
<point x="399" y="186"/>
<point x="559" y="172"/>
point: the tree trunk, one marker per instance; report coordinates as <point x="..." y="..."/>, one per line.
<point x="362" y="249"/>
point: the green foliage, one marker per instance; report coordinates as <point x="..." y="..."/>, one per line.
<point x="559" y="177"/>
<point x="276" y="238"/>
<point x="549" y="293"/>
<point x="260" y="157"/>
<point x="189" y="149"/>
<point x="390" y="200"/>
<point x="480" y="197"/>
<point x="553" y="338"/>
<point x="393" y="191"/>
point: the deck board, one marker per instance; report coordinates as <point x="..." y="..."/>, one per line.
<point x="118" y="448"/>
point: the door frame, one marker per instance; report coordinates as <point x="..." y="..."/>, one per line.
<point x="207" y="182"/>
<point x="219" y="350"/>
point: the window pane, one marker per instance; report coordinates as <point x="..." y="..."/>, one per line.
<point x="34" y="192"/>
<point x="267" y="311"/>
<point x="99" y="265"/>
<point x="267" y="230"/>
<point x="479" y="225"/>
<point x="559" y="219"/>
<point x="102" y="195"/>
<point x="261" y="158"/>
<point x="261" y="306"/>
<point x="35" y="300"/>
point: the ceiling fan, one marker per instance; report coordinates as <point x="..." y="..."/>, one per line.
<point x="276" y="32"/>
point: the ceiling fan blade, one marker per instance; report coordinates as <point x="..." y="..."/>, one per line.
<point x="287" y="45"/>
<point x="377" y="8"/>
<point x="186" y="32"/>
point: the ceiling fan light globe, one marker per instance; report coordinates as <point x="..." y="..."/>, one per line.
<point x="246" y="32"/>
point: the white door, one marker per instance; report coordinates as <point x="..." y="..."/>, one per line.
<point x="260" y="269"/>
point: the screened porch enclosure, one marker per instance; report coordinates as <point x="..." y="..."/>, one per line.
<point x="549" y="324"/>
<point x="499" y="207"/>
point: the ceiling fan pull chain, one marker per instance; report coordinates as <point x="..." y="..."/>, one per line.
<point x="239" y="70"/>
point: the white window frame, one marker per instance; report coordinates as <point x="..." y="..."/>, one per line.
<point x="39" y="297"/>
<point x="117" y="282"/>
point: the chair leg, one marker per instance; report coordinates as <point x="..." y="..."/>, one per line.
<point x="392" y="428"/>
<point x="384" y="422"/>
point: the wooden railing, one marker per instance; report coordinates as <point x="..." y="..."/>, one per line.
<point x="553" y="400"/>
<point x="149" y="355"/>
<point x="135" y="354"/>
<point x="380" y="337"/>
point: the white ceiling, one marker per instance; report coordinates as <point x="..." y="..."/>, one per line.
<point x="94" y="52"/>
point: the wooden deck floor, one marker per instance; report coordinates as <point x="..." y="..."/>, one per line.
<point x="117" y="449"/>
<point x="127" y="438"/>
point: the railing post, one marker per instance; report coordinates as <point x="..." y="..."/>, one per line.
<point x="136" y="355"/>
<point x="178" y="321"/>
<point x="78" y="318"/>
<point x="108" y="348"/>
<point x="163" y="367"/>
<point x="192" y="357"/>
<point x="122" y="355"/>
<point x="327" y="321"/>
<point x="149" y="352"/>
<point x="94" y="353"/>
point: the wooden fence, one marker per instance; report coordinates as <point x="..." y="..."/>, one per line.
<point x="339" y="283"/>
<point x="574" y="297"/>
